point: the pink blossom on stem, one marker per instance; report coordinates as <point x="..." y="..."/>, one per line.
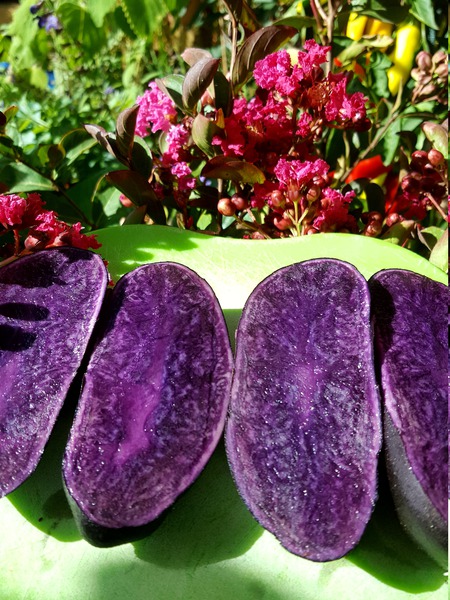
<point x="156" y="111"/>
<point x="274" y="72"/>
<point x="177" y="140"/>
<point x="12" y="210"/>
<point x="298" y="172"/>
<point x="333" y="212"/>
<point x="309" y="62"/>
<point x="183" y="176"/>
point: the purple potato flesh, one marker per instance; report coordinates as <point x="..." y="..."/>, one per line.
<point x="304" y="432"/>
<point x="49" y="303"/>
<point x="410" y="317"/>
<point x="153" y="404"/>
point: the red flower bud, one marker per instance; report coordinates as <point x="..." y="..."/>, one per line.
<point x="226" y="207"/>
<point x="239" y="202"/>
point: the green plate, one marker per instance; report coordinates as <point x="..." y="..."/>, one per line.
<point x="209" y="547"/>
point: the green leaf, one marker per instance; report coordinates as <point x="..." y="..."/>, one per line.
<point x="197" y="80"/>
<point x="141" y="158"/>
<point x="362" y="46"/>
<point x="257" y="46"/>
<point x="79" y="26"/>
<point x="424" y="11"/>
<point x="98" y="9"/>
<point x="430" y="236"/>
<point x="172" y="86"/>
<point x="144" y="16"/>
<point x="139" y="191"/>
<point x="379" y="64"/>
<point x="437" y="135"/>
<point x="227" y="167"/>
<point x="299" y="22"/>
<point x="439" y="254"/>
<point x="20" y="178"/>
<point x="399" y="233"/>
<point x="76" y="143"/>
<point x="203" y="131"/>
<point x="241" y="12"/>
<point x="38" y="77"/>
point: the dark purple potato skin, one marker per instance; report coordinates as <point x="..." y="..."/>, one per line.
<point x="410" y="317"/>
<point x="49" y="303"/>
<point x="304" y="428"/>
<point x="153" y="405"/>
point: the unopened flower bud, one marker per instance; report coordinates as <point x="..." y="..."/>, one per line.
<point x="441" y="70"/>
<point x="423" y="60"/>
<point x="419" y="159"/>
<point x="239" y="202"/>
<point x="282" y="223"/>
<point x="439" y="57"/>
<point x="313" y="193"/>
<point x="410" y="183"/>
<point x="374" y="224"/>
<point x="392" y="219"/>
<point x="293" y="195"/>
<point x="435" y="157"/>
<point x="277" y="199"/>
<point x="226" y="207"/>
<point x="125" y="202"/>
<point x="257" y="235"/>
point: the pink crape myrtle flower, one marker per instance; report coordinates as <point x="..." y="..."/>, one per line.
<point x="333" y="212"/>
<point x="309" y="62"/>
<point x="12" y="210"/>
<point x="157" y="111"/>
<point x="342" y="106"/>
<point x="299" y="173"/>
<point x="274" y="72"/>
<point x="183" y="177"/>
<point x="177" y="140"/>
<point x="17" y="212"/>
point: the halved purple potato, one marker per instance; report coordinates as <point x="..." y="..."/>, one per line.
<point x="49" y="303"/>
<point x="304" y="431"/>
<point x="410" y="318"/>
<point x="153" y="405"/>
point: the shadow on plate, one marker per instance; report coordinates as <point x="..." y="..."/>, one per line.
<point x="222" y="581"/>
<point x="41" y="498"/>
<point x="389" y="554"/>
<point x="208" y="524"/>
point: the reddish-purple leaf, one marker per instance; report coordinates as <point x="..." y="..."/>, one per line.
<point x="197" y="80"/>
<point x="191" y="56"/>
<point x="136" y="187"/>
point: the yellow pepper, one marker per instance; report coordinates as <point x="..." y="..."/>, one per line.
<point x="407" y="43"/>
<point x="356" y="26"/>
<point x="376" y="27"/>
<point x="359" y="25"/>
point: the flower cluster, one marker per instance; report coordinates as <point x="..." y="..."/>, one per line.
<point x="42" y="227"/>
<point x="276" y="131"/>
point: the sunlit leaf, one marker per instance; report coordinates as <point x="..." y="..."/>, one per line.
<point x="226" y="167"/>
<point x="241" y="12"/>
<point x="125" y="126"/>
<point x="139" y="191"/>
<point x="437" y="135"/>
<point x="203" y="131"/>
<point x="197" y="80"/>
<point x="193" y="55"/>
<point x="439" y="254"/>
